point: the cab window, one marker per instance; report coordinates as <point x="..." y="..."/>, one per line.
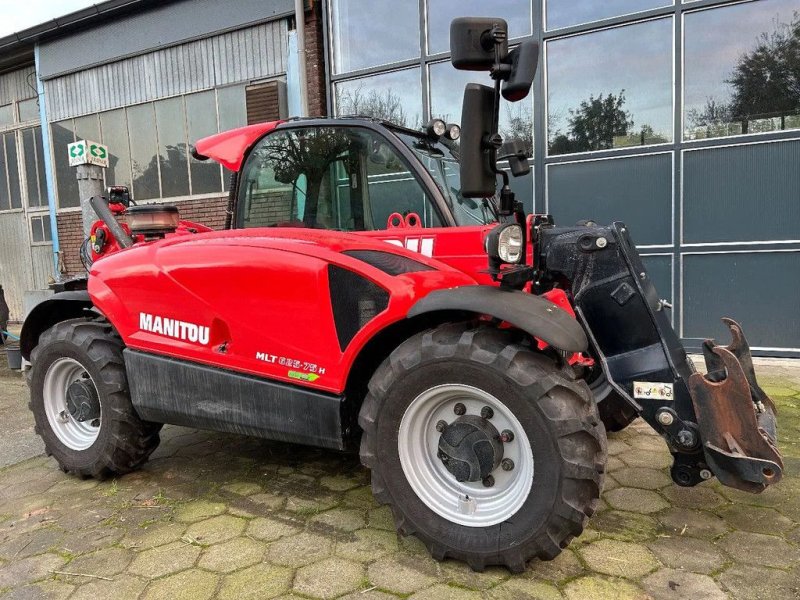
<point x="342" y="178"/>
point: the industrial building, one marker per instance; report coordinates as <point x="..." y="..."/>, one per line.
<point x="680" y="118"/>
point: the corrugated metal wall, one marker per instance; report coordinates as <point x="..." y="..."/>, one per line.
<point x="22" y="267"/>
<point x="254" y="52"/>
<point x="160" y="25"/>
<point x="18" y="85"/>
<point x="42" y="260"/>
<point x="16" y="268"/>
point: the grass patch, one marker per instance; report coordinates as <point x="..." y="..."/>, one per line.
<point x="113" y="489"/>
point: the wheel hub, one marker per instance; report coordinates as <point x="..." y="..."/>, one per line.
<point x="470" y="448"/>
<point x="82" y="401"/>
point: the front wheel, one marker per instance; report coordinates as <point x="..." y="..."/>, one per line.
<point x="486" y="450"/>
<point x="81" y="404"/>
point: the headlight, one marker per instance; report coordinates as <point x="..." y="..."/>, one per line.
<point x="453" y="132"/>
<point x="505" y="243"/>
<point x="436" y="128"/>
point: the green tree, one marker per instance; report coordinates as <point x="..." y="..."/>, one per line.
<point x="384" y="105"/>
<point x="594" y="125"/>
<point x="766" y="80"/>
<point x="519" y="125"/>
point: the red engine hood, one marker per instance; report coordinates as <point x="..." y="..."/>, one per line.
<point x="311" y="242"/>
<point x="229" y="147"/>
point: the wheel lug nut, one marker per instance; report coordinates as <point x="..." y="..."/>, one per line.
<point x="488" y="481"/>
<point x="507" y="436"/>
<point x="459" y="409"/>
<point x="441" y="426"/>
<point x="487" y="412"/>
<point x="507" y="464"/>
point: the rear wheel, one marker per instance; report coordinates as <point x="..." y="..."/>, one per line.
<point x="81" y="404"/>
<point x="486" y="450"/>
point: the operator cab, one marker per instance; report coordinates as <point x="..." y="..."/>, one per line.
<point x="353" y="175"/>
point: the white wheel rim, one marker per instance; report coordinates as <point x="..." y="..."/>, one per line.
<point x="75" y="435"/>
<point x="466" y="503"/>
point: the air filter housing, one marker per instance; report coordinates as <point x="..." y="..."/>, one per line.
<point x="153" y="220"/>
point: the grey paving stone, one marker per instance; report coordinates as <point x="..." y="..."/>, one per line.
<point x="671" y="584"/>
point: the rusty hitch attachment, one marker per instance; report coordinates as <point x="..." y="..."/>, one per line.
<point x="736" y="417"/>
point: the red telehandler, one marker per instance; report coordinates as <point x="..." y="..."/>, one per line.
<point x="374" y="291"/>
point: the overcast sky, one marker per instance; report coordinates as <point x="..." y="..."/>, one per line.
<point x="16" y="16"/>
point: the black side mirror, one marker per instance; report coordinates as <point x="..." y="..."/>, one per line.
<point x="514" y="152"/>
<point x="524" y="60"/>
<point x="478" y="154"/>
<point x="472" y="42"/>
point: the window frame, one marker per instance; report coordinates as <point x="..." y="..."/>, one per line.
<point x="606" y="151"/>
<point x="421" y="176"/>
<point x="223" y="174"/>
<point x="691" y="7"/>
<point x="632" y="16"/>
<point x="46" y="231"/>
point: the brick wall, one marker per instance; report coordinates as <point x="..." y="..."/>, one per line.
<point x="208" y="211"/>
<point x="70" y="238"/>
<point x="315" y="62"/>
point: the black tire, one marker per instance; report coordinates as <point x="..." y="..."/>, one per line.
<point x="556" y="412"/>
<point x="615" y="412"/>
<point x="124" y="441"/>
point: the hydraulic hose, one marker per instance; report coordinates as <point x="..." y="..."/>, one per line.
<point x="100" y="206"/>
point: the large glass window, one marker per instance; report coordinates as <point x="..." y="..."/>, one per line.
<point x="62" y="134"/>
<point x="342" y="178"/>
<point x="87" y="128"/>
<point x="201" y="118"/>
<point x="40" y="229"/>
<point x="12" y="167"/>
<point x="394" y="97"/>
<point x="149" y="144"/>
<point x="742" y="71"/>
<point x="114" y="127"/>
<point x="232" y="107"/>
<point x="144" y="151"/>
<point x="34" y="167"/>
<point x="441" y="12"/>
<point x="447" y="94"/>
<point x="6" y="115"/>
<point x="611" y="88"/>
<point x="29" y="110"/>
<point x="172" y="155"/>
<point x="566" y="13"/>
<point x="368" y="33"/>
<point x="10" y="193"/>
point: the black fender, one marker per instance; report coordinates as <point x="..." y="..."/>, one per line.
<point x="534" y="315"/>
<point x="59" y="307"/>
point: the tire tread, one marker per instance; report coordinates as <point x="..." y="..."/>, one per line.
<point x="131" y="440"/>
<point x="574" y="414"/>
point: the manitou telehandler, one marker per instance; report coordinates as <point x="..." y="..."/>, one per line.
<point x="372" y="289"/>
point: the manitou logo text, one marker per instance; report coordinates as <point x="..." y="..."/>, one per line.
<point x="180" y="330"/>
<point x="423" y="245"/>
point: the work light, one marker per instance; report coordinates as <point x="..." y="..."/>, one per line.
<point x="505" y="244"/>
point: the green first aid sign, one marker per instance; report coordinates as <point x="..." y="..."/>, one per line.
<point x="86" y="152"/>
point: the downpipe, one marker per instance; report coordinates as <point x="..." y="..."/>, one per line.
<point x="719" y="424"/>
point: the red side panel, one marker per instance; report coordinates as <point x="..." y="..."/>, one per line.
<point x="229" y="147"/>
<point x="252" y="301"/>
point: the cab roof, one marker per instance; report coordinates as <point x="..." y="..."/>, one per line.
<point x="230" y="147"/>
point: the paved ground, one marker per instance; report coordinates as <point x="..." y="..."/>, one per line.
<point x="229" y="517"/>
